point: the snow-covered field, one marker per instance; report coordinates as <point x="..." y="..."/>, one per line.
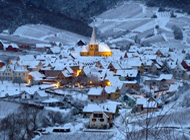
<point x="48" y="34"/>
<point x="7" y="107"/>
<point x="134" y="19"/>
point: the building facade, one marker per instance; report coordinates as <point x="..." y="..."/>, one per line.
<point x="14" y="73"/>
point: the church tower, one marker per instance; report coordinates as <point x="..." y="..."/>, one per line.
<point x="93" y="46"/>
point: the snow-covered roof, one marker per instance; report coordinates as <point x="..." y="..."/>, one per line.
<point x="66" y="73"/>
<point x="43" y="45"/>
<point x="101" y="48"/>
<point x="146" y="103"/>
<point x="173" y="88"/>
<point x="55" y="50"/>
<point x="165" y="76"/>
<point x="85" y="48"/>
<point x="106" y="107"/>
<point x="11" y="44"/>
<point x="104" y="48"/>
<point x="110" y="89"/>
<point x="95" y="91"/>
<point x="41" y="93"/>
<point x="36" y="75"/>
<point x="129" y="73"/>
<point x="27" y="57"/>
<point x="51" y="100"/>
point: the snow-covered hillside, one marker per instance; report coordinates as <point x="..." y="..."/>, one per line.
<point x="136" y="21"/>
<point x="48" y="34"/>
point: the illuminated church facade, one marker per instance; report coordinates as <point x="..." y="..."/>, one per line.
<point x="95" y="49"/>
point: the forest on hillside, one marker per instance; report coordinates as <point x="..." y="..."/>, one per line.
<point x="71" y="15"/>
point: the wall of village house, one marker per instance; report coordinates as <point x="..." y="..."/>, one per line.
<point x="186" y="76"/>
<point x="153" y="68"/>
<point x="97" y="97"/>
<point x="98" y="121"/>
<point x="114" y="95"/>
<point x="52" y="73"/>
<point x="25" y="96"/>
<point x="20" y="76"/>
<point x="177" y="72"/>
<point x="134" y="86"/>
<point x="10" y="75"/>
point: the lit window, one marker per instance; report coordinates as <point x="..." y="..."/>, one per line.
<point x="93" y="120"/>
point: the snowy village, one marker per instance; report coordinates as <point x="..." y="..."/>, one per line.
<point x="135" y="64"/>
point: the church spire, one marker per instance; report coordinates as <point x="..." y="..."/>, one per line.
<point x="93" y="37"/>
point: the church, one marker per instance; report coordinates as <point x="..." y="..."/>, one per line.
<point x="95" y="49"/>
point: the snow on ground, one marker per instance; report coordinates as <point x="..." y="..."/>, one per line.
<point x="11" y="89"/>
<point x="57" y="109"/>
<point x="7" y="108"/>
<point x="76" y="94"/>
<point x="131" y="19"/>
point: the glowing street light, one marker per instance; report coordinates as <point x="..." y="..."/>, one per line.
<point x="29" y="81"/>
<point x="57" y="84"/>
<point x="108" y="83"/>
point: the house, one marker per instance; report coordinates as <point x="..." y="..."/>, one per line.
<point x="130" y="84"/>
<point x="92" y="76"/>
<point x="80" y="43"/>
<point x="40" y="96"/>
<point x="34" y="65"/>
<point x="35" y="78"/>
<point x="114" y="67"/>
<point x="13" y="48"/>
<point x="155" y="67"/>
<point x="186" y="75"/>
<point x="146" y="105"/>
<point x="54" y="50"/>
<point x="99" y="119"/>
<point x="159" y="53"/>
<point x="129" y="100"/>
<point x="179" y="71"/>
<point x="113" y="92"/>
<point x="24" y="46"/>
<point x="64" y="76"/>
<point x="186" y="64"/>
<point x="128" y="75"/>
<point x="51" y="72"/>
<point x="97" y="94"/>
<point x="166" y="79"/>
<point x="101" y="65"/>
<point x="1" y="64"/>
<point x="163" y="81"/>
<point x="14" y="73"/>
<point x="110" y="108"/>
<point x="24" y="95"/>
<point x="43" y="47"/>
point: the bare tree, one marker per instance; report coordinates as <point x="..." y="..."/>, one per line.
<point x="147" y="125"/>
